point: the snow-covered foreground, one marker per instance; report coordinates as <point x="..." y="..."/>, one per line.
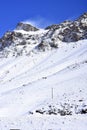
<point x="55" y="78"/>
<point x="45" y="123"/>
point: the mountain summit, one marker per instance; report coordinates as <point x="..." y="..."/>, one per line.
<point x="26" y="36"/>
<point x="25" y="27"/>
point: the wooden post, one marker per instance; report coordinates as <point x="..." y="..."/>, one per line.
<point x="52" y="93"/>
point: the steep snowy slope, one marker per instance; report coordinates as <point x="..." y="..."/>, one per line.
<point x="26" y="82"/>
<point x="43" y="80"/>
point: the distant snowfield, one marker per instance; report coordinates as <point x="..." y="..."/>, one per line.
<point x="26" y="85"/>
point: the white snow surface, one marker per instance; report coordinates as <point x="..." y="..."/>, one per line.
<point x="26" y="84"/>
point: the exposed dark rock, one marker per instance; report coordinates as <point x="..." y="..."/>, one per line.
<point x="43" y="46"/>
<point x="71" y="31"/>
<point x="52" y="110"/>
<point x="7" y="39"/>
<point x="18" y="34"/>
<point x="65" y="112"/>
<point x="23" y="42"/>
<point x="54" y="44"/>
<point x="26" y="27"/>
<point x="58" y="26"/>
<point x="40" y="111"/>
<point x="52" y="27"/>
<point x="83" y="111"/>
<point x="83" y="16"/>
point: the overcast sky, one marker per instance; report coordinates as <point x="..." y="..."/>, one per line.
<point x="38" y="12"/>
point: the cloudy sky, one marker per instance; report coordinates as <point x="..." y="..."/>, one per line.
<point x="38" y="12"/>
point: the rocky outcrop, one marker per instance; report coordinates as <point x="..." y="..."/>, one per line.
<point x="59" y="26"/>
<point x="71" y="31"/>
<point x="53" y="110"/>
<point x="26" y="27"/>
<point x="63" y="109"/>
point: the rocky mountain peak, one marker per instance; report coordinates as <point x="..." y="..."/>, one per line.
<point x="71" y="31"/>
<point x="58" y="26"/>
<point x="19" y="42"/>
<point x="83" y="16"/>
<point x="26" y="27"/>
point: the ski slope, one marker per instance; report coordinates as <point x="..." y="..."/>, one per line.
<point x="26" y="84"/>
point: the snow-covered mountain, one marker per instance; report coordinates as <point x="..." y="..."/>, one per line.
<point x="43" y="77"/>
<point x="26" y="38"/>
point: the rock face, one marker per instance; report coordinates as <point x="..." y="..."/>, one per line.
<point x="58" y="26"/>
<point x="19" y="42"/>
<point x="6" y="40"/>
<point x="71" y="31"/>
<point x="25" y="27"/>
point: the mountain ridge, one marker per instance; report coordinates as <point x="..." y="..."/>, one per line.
<point x="50" y="37"/>
<point x="68" y="31"/>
